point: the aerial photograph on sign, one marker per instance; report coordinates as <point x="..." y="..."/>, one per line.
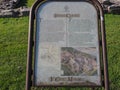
<point x="75" y="62"/>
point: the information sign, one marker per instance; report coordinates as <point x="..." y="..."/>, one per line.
<point x="67" y="45"/>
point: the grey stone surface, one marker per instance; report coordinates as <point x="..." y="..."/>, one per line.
<point x="115" y="9"/>
<point x="7" y="9"/>
<point x="8" y="4"/>
<point x="15" y="12"/>
<point x="111" y="6"/>
<point x="24" y="11"/>
<point x="114" y="1"/>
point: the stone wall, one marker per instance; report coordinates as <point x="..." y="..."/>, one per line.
<point x="8" y="4"/>
<point x="22" y="11"/>
<point x="7" y="8"/>
<point x="111" y="6"/>
<point x="115" y="1"/>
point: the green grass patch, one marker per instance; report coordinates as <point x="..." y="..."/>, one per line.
<point x="13" y="48"/>
<point x="27" y="3"/>
<point x="13" y="53"/>
<point x="113" y="46"/>
<point x="30" y="2"/>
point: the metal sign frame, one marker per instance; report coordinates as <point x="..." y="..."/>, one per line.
<point x="102" y="39"/>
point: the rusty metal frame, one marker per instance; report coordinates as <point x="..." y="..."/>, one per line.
<point x="35" y="53"/>
<point x="29" y="69"/>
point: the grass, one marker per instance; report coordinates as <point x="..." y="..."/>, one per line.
<point x="30" y="2"/>
<point x="113" y="45"/>
<point x="13" y="52"/>
<point x="27" y="3"/>
<point x="13" y="48"/>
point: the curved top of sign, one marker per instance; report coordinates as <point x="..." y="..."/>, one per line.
<point x="40" y="3"/>
<point x="66" y="9"/>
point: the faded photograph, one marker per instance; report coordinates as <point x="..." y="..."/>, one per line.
<point x="75" y="62"/>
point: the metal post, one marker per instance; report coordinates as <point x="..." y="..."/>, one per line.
<point x="105" y="62"/>
<point x="92" y="88"/>
<point x="104" y="50"/>
<point x="30" y="46"/>
<point x="29" y="58"/>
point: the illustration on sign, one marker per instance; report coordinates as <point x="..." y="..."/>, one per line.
<point x="75" y="62"/>
<point x="67" y="45"/>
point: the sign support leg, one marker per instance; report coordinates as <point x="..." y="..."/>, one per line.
<point x="92" y="88"/>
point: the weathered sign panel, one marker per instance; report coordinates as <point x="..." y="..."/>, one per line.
<point x="67" y="45"/>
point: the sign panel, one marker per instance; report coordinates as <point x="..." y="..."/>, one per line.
<point x="67" y="45"/>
